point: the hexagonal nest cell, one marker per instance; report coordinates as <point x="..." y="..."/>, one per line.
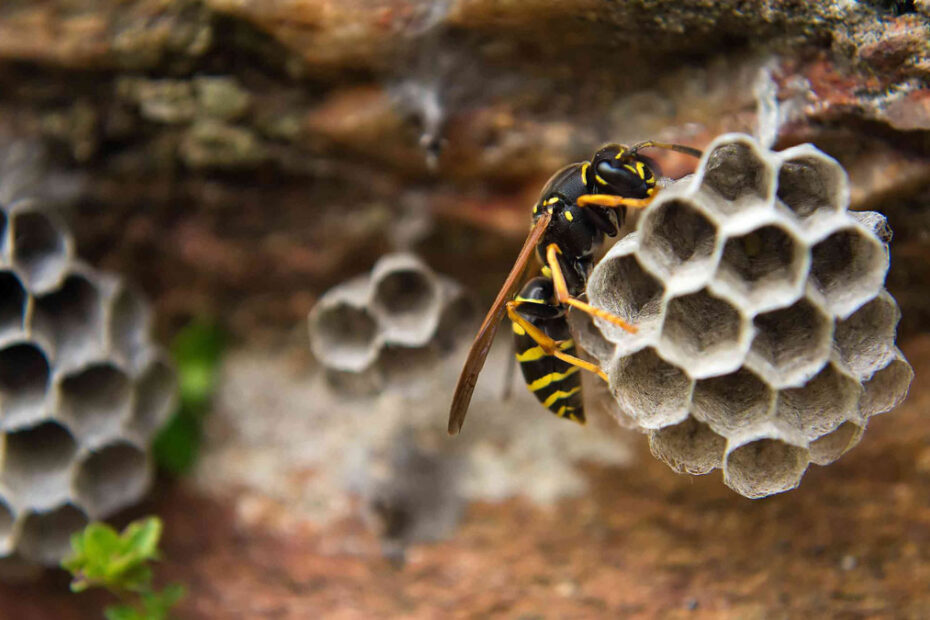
<point x="865" y="340"/>
<point x="24" y="380"/>
<point x="111" y="478"/>
<point x="765" y="466"/>
<point x="688" y="447"/>
<point x="384" y="329"/>
<point x="40" y="249"/>
<point x="46" y="536"/>
<point x="80" y="379"/>
<point x="129" y="326"/>
<point x="404" y="295"/>
<point x="778" y="351"/>
<point x="764" y="267"/>
<point x="736" y="172"/>
<point x="634" y="292"/>
<point x="345" y="337"/>
<point x="887" y="388"/>
<point x="154" y="399"/>
<point x="96" y="402"/>
<point x="72" y="317"/>
<point x="652" y="391"/>
<point x="791" y="344"/>
<point x="831" y="446"/>
<point x="702" y="332"/>
<point x="677" y="238"/>
<point x="848" y="268"/>
<point x="12" y="304"/>
<point x="732" y="402"/>
<point x="820" y="405"/>
<point x="810" y="184"/>
<point x="36" y="466"/>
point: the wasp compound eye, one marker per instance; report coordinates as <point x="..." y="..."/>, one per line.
<point x="620" y="178"/>
<point x="614" y="170"/>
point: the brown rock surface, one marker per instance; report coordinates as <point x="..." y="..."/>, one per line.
<point x="852" y="542"/>
<point x="289" y="131"/>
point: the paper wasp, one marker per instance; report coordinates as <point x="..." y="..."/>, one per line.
<point x="580" y="205"/>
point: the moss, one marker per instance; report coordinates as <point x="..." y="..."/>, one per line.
<point x="214" y="144"/>
<point x="221" y="98"/>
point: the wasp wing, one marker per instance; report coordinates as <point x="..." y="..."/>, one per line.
<point x="482" y="344"/>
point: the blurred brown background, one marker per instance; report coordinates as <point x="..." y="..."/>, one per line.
<point x="237" y="158"/>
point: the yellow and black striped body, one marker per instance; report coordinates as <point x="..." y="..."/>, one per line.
<point x="579" y="206"/>
<point x="555" y="383"/>
<point x="579" y="231"/>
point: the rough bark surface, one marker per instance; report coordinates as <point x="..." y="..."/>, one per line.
<point x="240" y="157"/>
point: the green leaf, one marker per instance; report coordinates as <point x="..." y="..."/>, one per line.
<point x="158" y="604"/>
<point x="141" y="537"/>
<point x="116" y="561"/>
<point x="77" y="550"/>
<point x="93" y="549"/>
<point x="200" y="340"/>
<point x="178" y="443"/>
<point x="120" y="563"/>
<point x="196" y="383"/>
<point x="100" y="542"/>
<point x="136" y="545"/>
<point x="197" y="349"/>
<point x="122" y="612"/>
<point x="74" y="562"/>
<point x="137" y="578"/>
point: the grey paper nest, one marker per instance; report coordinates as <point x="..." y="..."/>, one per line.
<point x="390" y="327"/>
<point x="82" y="390"/>
<point x="766" y="338"/>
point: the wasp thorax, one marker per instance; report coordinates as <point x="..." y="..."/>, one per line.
<point x="551" y="204"/>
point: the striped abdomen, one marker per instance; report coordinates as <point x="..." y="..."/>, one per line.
<point x="556" y="384"/>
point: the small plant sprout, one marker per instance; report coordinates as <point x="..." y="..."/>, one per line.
<point x="120" y="563"/>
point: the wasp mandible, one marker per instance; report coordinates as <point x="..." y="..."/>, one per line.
<point x="580" y="205"/>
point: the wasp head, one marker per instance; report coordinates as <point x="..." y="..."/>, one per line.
<point x="622" y="171"/>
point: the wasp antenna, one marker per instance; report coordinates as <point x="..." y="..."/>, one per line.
<point x="680" y="148"/>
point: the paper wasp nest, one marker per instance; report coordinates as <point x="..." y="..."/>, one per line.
<point x="766" y="339"/>
<point x="389" y="327"/>
<point x="82" y="390"/>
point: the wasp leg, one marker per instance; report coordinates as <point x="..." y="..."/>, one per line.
<point x="561" y="292"/>
<point x="609" y="200"/>
<point x="547" y="344"/>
